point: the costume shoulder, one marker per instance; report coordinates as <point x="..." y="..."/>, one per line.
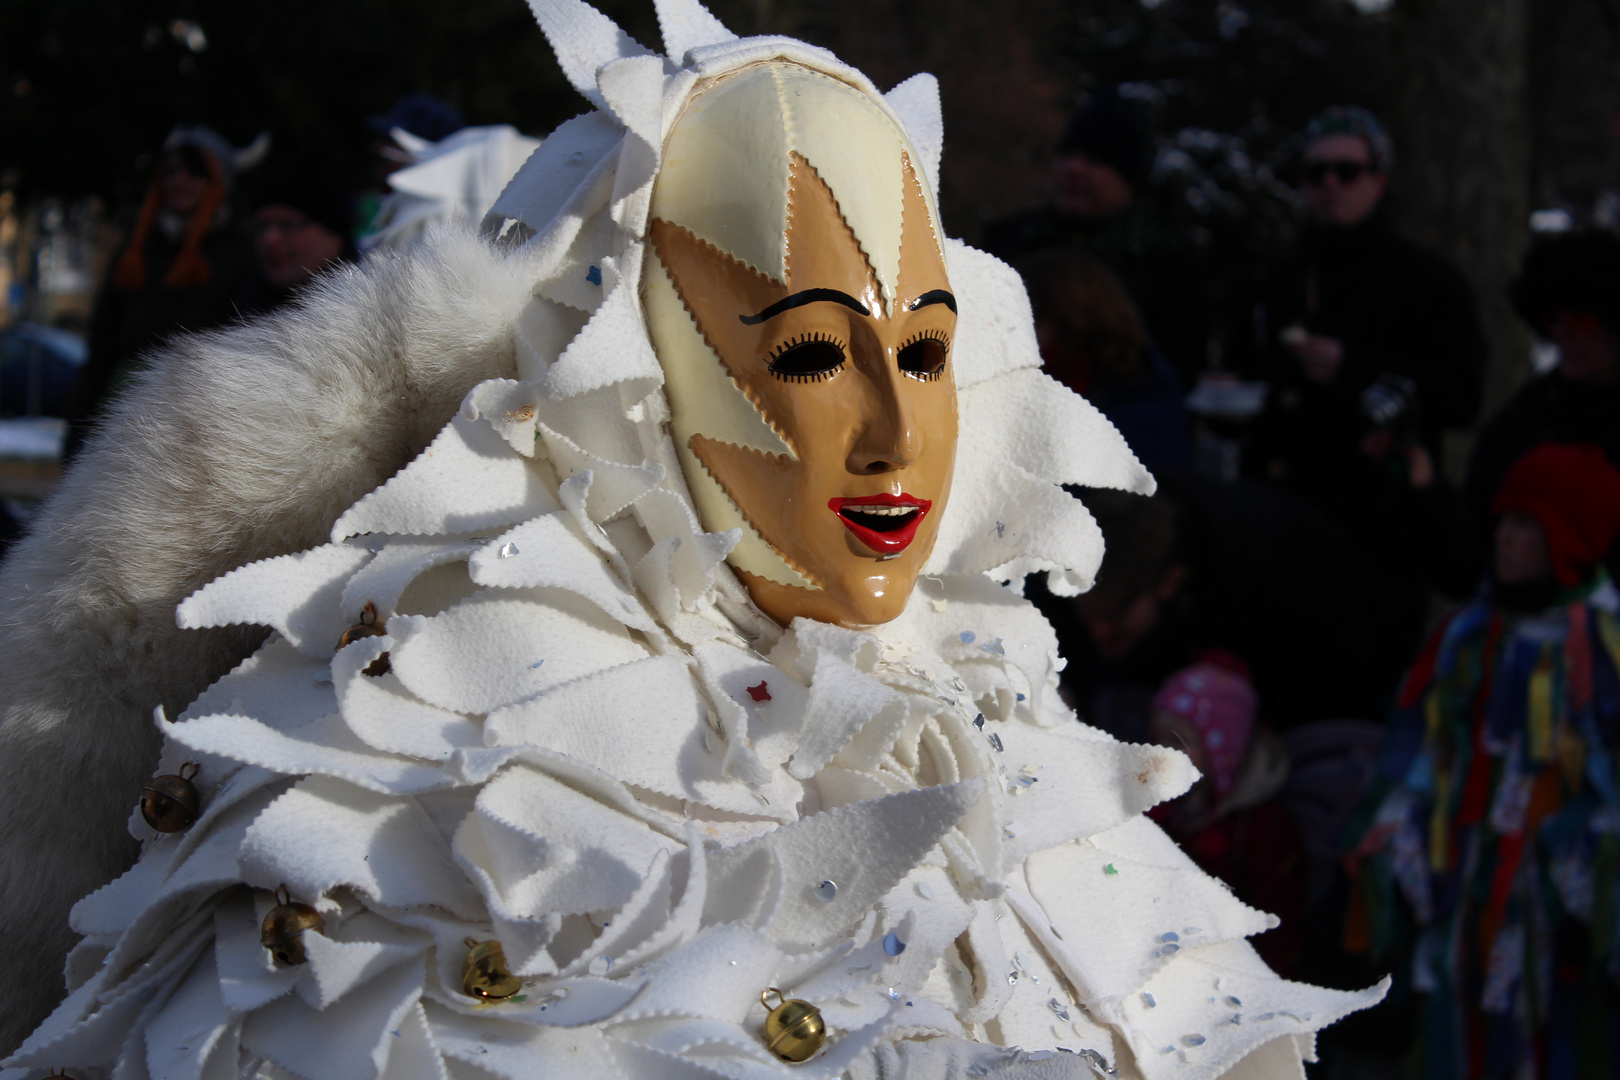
<point x="233" y="446"/>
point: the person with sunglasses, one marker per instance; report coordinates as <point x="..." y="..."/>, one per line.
<point x="1372" y="347"/>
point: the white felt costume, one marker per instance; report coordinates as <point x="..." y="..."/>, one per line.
<point x="592" y="747"/>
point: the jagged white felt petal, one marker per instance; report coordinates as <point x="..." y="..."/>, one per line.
<point x="636" y="922"/>
<point x="687" y="25"/>
<point x="111" y="908"/>
<point x="927" y="913"/>
<point x="865" y="848"/>
<point x="726" y="1046"/>
<point x="798" y="648"/>
<point x="498" y="647"/>
<point x="324" y="833"/>
<point x="995" y="331"/>
<point x="549" y="552"/>
<point x="1030" y="419"/>
<point x="79" y="1038"/>
<point x="467" y="479"/>
<point x="352" y="1040"/>
<point x="508" y="406"/>
<point x="566" y="1003"/>
<point x="521" y="1051"/>
<point x="248" y="975"/>
<point x="1194" y="996"/>
<point x="1082" y="786"/>
<point x="297" y="594"/>
<point x="583" y="40"/>
<point x="352" y="954"/>
<point x="844" y="969"/>
<point x="187" y="896"/>
<point x="384" y="717"/>
<point x="613" y="348"/>
<point x="400" y="561"/>
<point x="325" y="747"/>
<point x="842" y="702"/>
<point x="415" y="1055"/>
<point x="642" y="722"/>
<point x="916" y="103"/>
<point x="180" y="1038"/>
<point x="678" y="573"/>
<point x="771" y="726"/>
<point x="836" y="1060"/>
<point x="578" y="265"/>
<point x="634" y="90"/>
<point x="636" y="1060"/>
<point x="1116" y="943"/>
<point x="1279" y="1059"/>
<point x="595" y="488"/>
<point x="689" y="870"/>
<point x="278" y="685"/>
<point x="715" y="976"/>
<point x="1017" y="524"/>
<point x="553" y="175"/>
<point x="544" y="848"/>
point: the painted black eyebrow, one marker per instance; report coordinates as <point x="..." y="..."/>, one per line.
<point x="799" y="299"/>
<point x="934" y="296"/>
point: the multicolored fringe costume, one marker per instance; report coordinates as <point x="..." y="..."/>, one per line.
<point x="1491" y="843"/>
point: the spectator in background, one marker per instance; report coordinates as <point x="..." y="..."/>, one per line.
<point x="185" y="266"/>
<point x="1569" y="292"/>
<point x="1100" y="203"/>
<point x="1092" y="341"/>
<point x="303" y="224"/>
<point x="1206" y="565"/>
<point x="423" y="115"/>
<point x="1233" y="822"/>
<point x="1488" y="855"/>
<point x="1372" y="347"/>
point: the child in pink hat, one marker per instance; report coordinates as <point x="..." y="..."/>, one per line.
<point x="1231" y="822"/>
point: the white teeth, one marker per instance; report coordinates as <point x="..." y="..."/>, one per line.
<point x="883" y="511"/>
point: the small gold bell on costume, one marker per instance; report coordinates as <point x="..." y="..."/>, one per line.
<point x="794" y="1030"/>
<point x="169" y="803"/>
<point x="367" y="627"/>
<point x="484" y="974"/>
<point x="283" y="929"/>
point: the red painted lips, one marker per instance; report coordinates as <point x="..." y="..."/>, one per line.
<point x="885" y="523"/>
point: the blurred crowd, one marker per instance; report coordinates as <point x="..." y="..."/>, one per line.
<point x="1402" y="687"/>
<point x="1401" y="683"/>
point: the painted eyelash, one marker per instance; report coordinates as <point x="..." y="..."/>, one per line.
<point x="928" y="335"/>
<point x="809" y="338"/>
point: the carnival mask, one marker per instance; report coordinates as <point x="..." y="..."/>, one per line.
<point x="796" y="295"/>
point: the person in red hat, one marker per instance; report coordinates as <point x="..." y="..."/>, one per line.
<point x="1490" y="848"/>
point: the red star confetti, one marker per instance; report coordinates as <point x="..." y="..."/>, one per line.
<point x="760" y="692"/>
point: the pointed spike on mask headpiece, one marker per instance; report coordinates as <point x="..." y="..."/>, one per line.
<point x="687" y="25"/>
<point x="584" y="40"/>
<point x="916" y="103"/>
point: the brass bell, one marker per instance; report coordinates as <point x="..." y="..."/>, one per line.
<point x="366" y="627"/>
<point x="283" y="929"/>
<point x="484" y="974"/>
<point x="169" y="803"/>
<point x="794" y="1030"/>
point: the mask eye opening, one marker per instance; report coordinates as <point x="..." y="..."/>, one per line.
<point x="925" y="355"/>
<point x="810" y="357"/>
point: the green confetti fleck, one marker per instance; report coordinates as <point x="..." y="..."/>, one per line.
<point x="1109" y="869"/>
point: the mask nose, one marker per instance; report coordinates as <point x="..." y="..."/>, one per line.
<point x="891" y="439"/>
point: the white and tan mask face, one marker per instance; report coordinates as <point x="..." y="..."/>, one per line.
<point x="812" y="396"/>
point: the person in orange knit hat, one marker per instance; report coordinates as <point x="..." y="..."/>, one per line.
<point x="1490" y="849"/>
